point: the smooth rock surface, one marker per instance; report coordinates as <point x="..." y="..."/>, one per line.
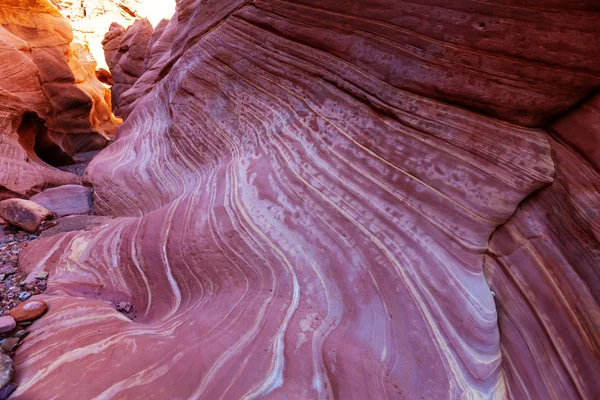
<point x="28" y="311"/>
<point x="66" y="200"/>
<point x="304" y="193"/>
<point x="10" y="345"/>
<point x="6" y="391"/>
<point x="7" y="324"/>
<point x="24" y="214"/>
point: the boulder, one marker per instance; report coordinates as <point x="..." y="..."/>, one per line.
<point x="66" y="200"/>
<point x="7" y="324"/>
<point x="28" y="311"/>
<point x="24" y="214"/>
<point x="7" y="370"/>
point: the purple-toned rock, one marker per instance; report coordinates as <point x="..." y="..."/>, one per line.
<point x="6" y="391"/>
<point x="7" y="370"/>
<point x="7" y="324"/>
<point x="7" y="270"/>
<point x="66" y="200"/>
<point x="303" y="198"/>
<point x="24" y="214"/>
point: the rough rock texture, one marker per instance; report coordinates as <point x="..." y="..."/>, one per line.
<point x="543" y="267"/>
<point x="24" y="214"/>
<point x="7" y="370"/>
<point x="304" y="201"/>
<point x="158" y="53"/>
<point x="125" y="52"/>
<point x="51" y="103"/>
<point x="91" y="19"/>
<point x="66" y="200"/>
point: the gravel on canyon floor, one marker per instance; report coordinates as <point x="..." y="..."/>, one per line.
<point x="14" y="286"/>
<point x="17" y="309"/>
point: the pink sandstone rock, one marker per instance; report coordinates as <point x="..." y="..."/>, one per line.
<point x="24" y="214"/>
<point x="51" y="104"/>
<point x="91" y="19"/>
<point x="66" y="200"/>
<point x="124" y="52"/>
<point x="304" y="194"/>
<point x="7" y="324"/>
<point x="543" y="266"/>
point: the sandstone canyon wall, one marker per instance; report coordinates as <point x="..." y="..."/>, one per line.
<point x="304" y="194"/>
<point x="543" y="265"/>
<point x="51" y="103"/>
<point x="91" y="19"/>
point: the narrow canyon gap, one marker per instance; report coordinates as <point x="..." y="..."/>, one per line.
<point x="335" y="200"/>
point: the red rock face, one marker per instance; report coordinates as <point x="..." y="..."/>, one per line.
<point x="304" y="203"/>
<point x="91" y="19"/>
<point x="51" y="104"/>
<point x="125" y="52"/>
<point x="543" y="267"/>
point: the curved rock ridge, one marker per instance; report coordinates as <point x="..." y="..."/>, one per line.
<point x="543" y="267"/>
<point x="521" y="62"/>
<point x="303" y="202"/>
<point x="51" y="104"/>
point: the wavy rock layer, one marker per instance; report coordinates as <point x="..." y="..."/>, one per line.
<point x="51" y="104"/>
<point x="543" y="267"/>
<point x="301" y="212"/>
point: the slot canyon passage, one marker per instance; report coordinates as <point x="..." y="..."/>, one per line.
<point x="302" y="199"/>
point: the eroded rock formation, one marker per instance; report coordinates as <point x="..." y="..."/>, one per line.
<point x="543" y="267"/>
<point x="91" y="19"/>
<point x="304" y="193"/>
<point x="51" y="104"/>
<point x="125" y="52"/>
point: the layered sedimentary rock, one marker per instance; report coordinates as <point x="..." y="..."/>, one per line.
<point x="51" y="104"/>
<point x="125" y="52"/>
<point x="91" y="19"/>
<point x="303" y="203"/>
<point x="543" y="267"/>
<point x="158" y="53"/>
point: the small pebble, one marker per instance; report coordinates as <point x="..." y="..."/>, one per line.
<point x="42" y="275"/>
<point x="24" y="296"/>
<point x="7" y="324"/>
<point x="21" y="334"/>
<point x="8" y="270"/>
<point x="6" y="391"/>
<point x="10" y="344"/>
<point x="124" y="306"/>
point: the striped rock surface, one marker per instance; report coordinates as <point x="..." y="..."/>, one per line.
<point x="303" y="201"/>
<point x="543" y="267"/>
<point x="51" y="104"/>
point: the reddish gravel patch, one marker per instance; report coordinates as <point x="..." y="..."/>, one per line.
<point x="13" y="288"/>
